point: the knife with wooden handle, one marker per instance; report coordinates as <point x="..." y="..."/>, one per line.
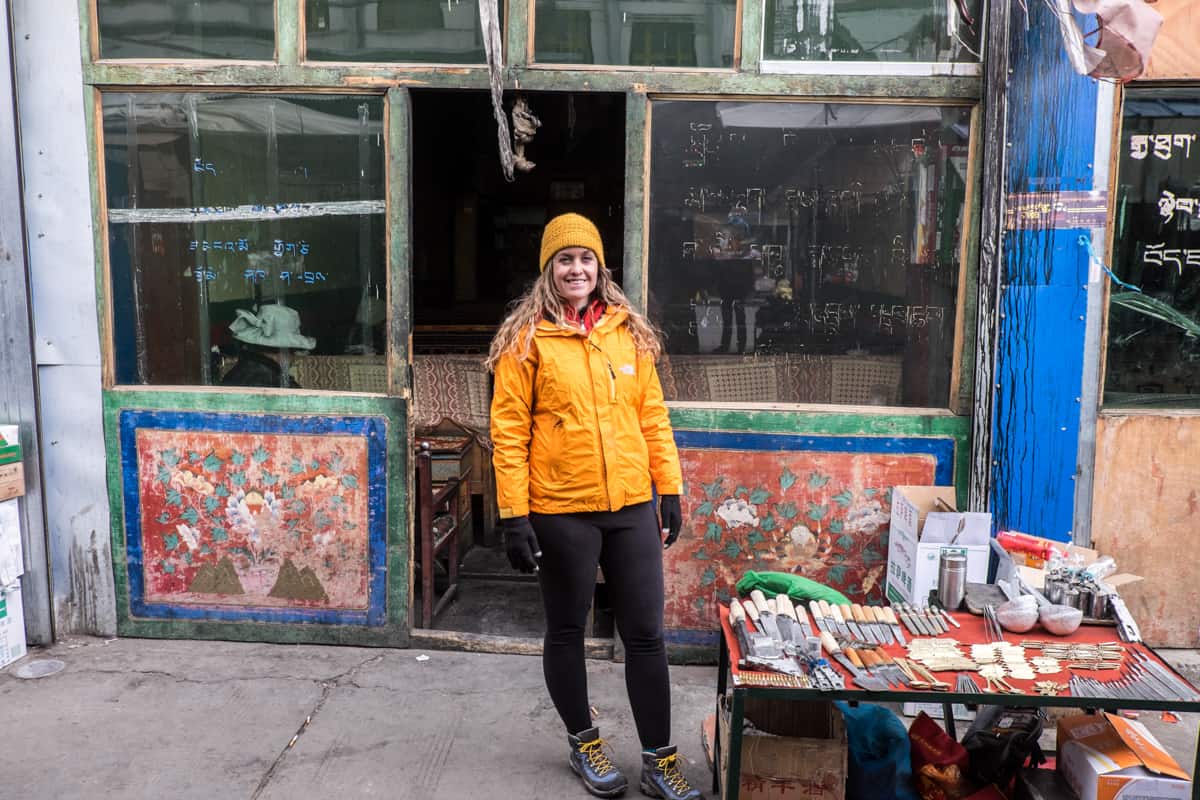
<point x="818" y="616"/>
<point x="895" y="623"/>
<point x="862" y="622"/>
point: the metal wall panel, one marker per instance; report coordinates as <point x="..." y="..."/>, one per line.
<point x="61" y="254"/>
<point x="18" y="390"/>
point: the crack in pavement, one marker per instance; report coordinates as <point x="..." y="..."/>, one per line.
<point x="181" y="679"/>
<point x="327" y="687"/>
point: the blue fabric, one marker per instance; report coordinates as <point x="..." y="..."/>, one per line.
<point x="879" y="765"/>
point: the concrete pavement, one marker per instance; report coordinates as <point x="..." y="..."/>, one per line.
<point x="136" y="718"/>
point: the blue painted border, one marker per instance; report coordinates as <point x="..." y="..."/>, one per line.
<point x="941" y="448"/>
<point x="374" y="429"/>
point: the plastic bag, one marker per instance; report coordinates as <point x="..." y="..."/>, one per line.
<point x="879" y="760"/>
<point x="794" y="586"/>
<point x="939" y="763"/>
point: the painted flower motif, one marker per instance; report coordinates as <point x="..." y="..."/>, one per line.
<point x="247" y="512"/>
<point x="803" y="541"/>
<point x="317" y="485"/>
<point x="867" y="518"/>
<point x="189" y="535"/>
<point x="737" y="512"/>
<point x="182" y="479"/>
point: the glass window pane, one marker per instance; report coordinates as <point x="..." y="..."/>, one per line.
<point x="183" y="29"/>
<point x="223" y="208"/>
<point x="872" y="30"/>
<point x="1153" y="356"/>
<point x="806" y="252"/>
<point x="667" y="33"/>
<point x="423" y="31"/>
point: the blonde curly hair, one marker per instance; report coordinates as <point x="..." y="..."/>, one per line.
<point x="542" y="301"/>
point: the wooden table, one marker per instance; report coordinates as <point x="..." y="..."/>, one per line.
<point x="971" y="632"/>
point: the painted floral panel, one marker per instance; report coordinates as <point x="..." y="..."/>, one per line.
<point x="823" y="515"/>
<point x="254" y="519"/>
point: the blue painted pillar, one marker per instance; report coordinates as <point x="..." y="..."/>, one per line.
<point x="1051" y="134"/>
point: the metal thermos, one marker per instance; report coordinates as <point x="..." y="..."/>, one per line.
<point x="1071" y="597"/>
<point x="1102" y="606"/>
<point x="1085" y="600"/>
<point x="952" y="580"/>
<point x="1053" y="590"/>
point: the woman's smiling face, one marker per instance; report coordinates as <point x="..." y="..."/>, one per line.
<point x="575" y="271"/>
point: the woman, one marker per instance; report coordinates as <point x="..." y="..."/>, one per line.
<point x="582" y="441"/>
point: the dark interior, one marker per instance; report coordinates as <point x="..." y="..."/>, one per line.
<point x="476" y="239"/>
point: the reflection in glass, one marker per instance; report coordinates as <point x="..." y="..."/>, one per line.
<point x="668" y="33"/>
<point x="185" y="29"/>
<point x="871" y="30"/>
<point x="423" y="31"/>
<point x="1153" y="356"/>
<point x="222" y="206"/>
<point x="806" y="252"/>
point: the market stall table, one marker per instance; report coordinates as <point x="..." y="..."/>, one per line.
<point x="972" y="631"/>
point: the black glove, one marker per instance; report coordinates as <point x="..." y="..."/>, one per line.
<point x="671" y="516"/>
<point x="520" y="544"/>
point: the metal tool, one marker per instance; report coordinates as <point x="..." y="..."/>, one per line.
<point x="751" y="641"/>
<point x="943" y="614"/>
<point x="759" y="651"/>
<point x="818" y="616"/>
<point x="909" y="622"/>
<point x="852" y="624"/>
<point x="1181" y="688"/>
<point x="855" y="619"/>
<point x="1126" y="626"/>
<point x="992" y="625"/>
<point x="882" y="626"/>
<point x="890" y="616"/>
<point x="784" y="604"/>
<point x="766" y="616"/>
<point x="923" y="626"/>
<point x="835" y="614"/>
<point x="848" y="660"/>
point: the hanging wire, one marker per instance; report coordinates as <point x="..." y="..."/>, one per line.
<point x="1086" y="243"/>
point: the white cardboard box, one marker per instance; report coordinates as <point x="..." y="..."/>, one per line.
<point x="1106" y="757"/>
<point x="12" y="625"/>
<point x="919" y="535"/>
<point x="12" y="564"/>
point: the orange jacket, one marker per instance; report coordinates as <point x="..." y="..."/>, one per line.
<point x="580" y="424"/>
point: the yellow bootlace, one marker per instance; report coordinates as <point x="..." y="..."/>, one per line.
<point x="597" y="758"/>
<point x="672" y="775"/>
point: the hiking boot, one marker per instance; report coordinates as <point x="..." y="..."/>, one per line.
<point x="590" y="761"/>
<point x="661" y="776"/>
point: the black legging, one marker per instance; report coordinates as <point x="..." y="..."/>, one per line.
<point x="627" y="546"/>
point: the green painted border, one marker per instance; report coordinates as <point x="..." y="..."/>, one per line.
<point x="398" y="118"/>
<point x="633" y="277"/>
<point x="394" y="634"/>
<point x="287" y="31"/>
<point x="517" y="47"/>
<point x="834" y="423"/>
<point x="752" y="31"/>
<point x="380" y="77"/>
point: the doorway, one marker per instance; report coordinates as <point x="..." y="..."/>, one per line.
<point x="475" y="245"/>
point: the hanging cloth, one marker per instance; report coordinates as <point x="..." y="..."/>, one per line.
<point x="489" y="22"/>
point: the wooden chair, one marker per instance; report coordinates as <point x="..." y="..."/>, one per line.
<point x="437" y="530"/>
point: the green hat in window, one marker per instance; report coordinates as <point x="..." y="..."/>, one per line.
<point x="273" y="326"/>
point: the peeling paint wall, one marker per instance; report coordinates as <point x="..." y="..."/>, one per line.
<point x="1146" y="515"/>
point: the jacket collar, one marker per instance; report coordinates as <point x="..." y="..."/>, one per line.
<point x="613" y="317"/>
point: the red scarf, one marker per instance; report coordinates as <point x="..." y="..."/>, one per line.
<point x="591" y="315"/>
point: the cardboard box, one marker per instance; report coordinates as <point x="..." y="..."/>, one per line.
<point x="12" y="625"/>
<point x="1042" y="784"/>
<point x="796" y="750"/>
<point x="919" y="534"/>
<point x="1107" y="757"/>
<point x="12" y="564"/>
<point x="12" y="481"/>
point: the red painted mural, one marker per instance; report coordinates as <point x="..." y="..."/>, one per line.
<point x="254" y="519"/>
<point x="822" y="515"/>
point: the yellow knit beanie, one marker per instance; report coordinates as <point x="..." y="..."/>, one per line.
<point x="570" y="230"/>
